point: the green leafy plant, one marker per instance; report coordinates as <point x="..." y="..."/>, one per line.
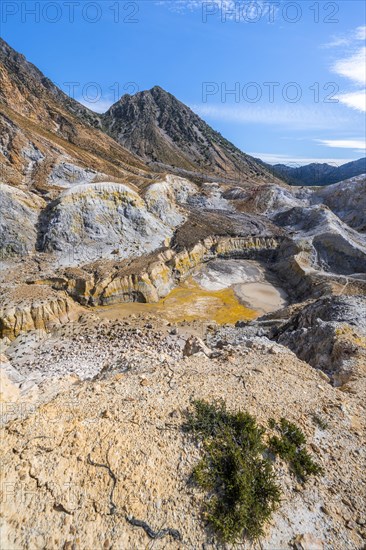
<point x="236" y="469"/>
<point x="290" y="446"/>
<point x="243" y="492"/>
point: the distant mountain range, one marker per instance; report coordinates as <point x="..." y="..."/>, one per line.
<point x="318" y="174"/>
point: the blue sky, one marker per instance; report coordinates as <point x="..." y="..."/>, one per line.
<point x="296" y="69"/>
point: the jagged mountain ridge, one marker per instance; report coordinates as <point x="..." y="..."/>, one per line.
<point x="319" y="173"/>
<point x="44" y="133"/>
<point x="168" y="135"/>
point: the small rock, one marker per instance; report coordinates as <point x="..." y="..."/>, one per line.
<point x="221" y="344"/>
<point x="324" y="376"/>
<point x="195" y="345"/>
<point x="315" y="448"/>
<point x="307" y="541"/>
<point x="350" y="524"/>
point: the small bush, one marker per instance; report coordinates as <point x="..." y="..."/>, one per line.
<point x="242" y="482"/>
<point x="236" y="470"/>
<point x="290" y="446"/>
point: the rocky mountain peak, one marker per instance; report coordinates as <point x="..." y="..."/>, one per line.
<point x="166" y="133"/>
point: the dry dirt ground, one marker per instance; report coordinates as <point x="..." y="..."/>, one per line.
<point x="97" y="451"/>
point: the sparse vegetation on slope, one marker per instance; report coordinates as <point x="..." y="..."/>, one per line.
<point x="290" y="446"/>
<point x="236" y="470"/>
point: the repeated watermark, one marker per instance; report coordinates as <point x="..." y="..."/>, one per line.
<point x="129" y="11"/>
<point x="71" y="254"/>
<point x="117" y="12"/>
<point x="269" y="91"/>
<point x="254" y="12"/>
<point x="65" y="411"/>
<point x="67" y="494"/>
<point x="93" y="94"/>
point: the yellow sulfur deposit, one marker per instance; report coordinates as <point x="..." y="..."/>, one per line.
<point x="189" y="302"/>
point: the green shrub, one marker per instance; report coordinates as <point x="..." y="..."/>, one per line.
<point x="243" y="492"/>
<point x="290" y="446"/>
<point x="236" y="471"/>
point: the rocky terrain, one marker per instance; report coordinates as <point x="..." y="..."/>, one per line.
<point x="48" y="140"/>
<point x="132" y="284"/>
<point x="128" y="418"/>
<point x="168" y="135"/>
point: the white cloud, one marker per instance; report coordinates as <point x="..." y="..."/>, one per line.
<point x="297" y="161"/>
<point x="355" y="100"/>
<point x="360" y="33"/>
<point x="337" y="42"/>
<point x="356" y="144"/>
<point x="352" y="67"/>
<point x="346" y="40"/>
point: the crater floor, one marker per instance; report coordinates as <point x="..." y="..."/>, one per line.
<point x="224" y="291"/>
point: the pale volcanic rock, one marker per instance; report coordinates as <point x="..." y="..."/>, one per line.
<point x="335" y="247"/>
<point x="195" y="345"/>
<point x="347" y="199"/>
<point x="131" y="422"/>
<point x="92" y="220"/>
<point x="330" y="334"/>
<point x="19" y="213"/>
<point x="9" y="388"/>
<point x="30" y="307"/>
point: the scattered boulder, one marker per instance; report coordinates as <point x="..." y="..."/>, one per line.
<point x="196" y="345"/>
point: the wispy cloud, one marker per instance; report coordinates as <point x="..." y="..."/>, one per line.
<point x="353" y="68"/>
<point x="226" y="9"/>
<point x="346" y="39"/>
<point x="355" y="100"/>
<point x="356" y="144"/>
<point x="301" y="117"/>
<point x="360" y="33"/>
